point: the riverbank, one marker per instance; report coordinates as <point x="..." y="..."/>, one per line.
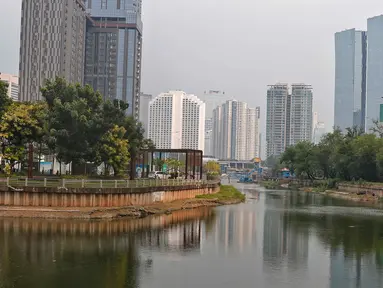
<point x="352" y="196"/>
<point x="344" y="195"/>
<point x="228" y="195"/>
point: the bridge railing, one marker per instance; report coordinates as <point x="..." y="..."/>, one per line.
<point x="100" y="183"/>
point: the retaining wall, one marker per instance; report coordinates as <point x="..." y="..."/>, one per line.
<point x="95" y="197"/>
<point x="355" y="188"/>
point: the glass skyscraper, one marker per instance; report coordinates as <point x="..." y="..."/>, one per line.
<point x="350" y="78"/>
<point x="113" y="50"/>
<point x="374" y="103"/>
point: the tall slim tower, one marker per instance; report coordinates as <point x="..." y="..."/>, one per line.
<point x="144" y="111"/>
<point x="113" y="50"/>
<point x="350" y="78"/>
<point x="301" y="114"/>
<point x="374" y="103"/>
<point x="276" y="119"/>
<point x="51" y="44"/>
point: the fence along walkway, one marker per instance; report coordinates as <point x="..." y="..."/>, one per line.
<point x="99" y="183"/>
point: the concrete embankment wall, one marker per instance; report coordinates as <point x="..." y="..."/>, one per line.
<point x="355" y="188"/>
<point x="95" y="197"/>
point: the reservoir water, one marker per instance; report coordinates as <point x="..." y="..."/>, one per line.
<point x="275" y="239"/>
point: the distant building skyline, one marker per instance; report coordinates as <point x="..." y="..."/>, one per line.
<point x="177" y="120"/>
<point x="350" y="79"/>
<point x="52" y="40"/>
<point x="13" y="85"/>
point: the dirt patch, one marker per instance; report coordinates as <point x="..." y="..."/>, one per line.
<point x="111" y="213"/>
<point x="352" y="196"/>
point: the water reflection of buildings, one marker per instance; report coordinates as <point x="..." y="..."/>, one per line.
<point x="282" y="242"/>
<point x="355" y="270"/>
<point x="234" y="229"/>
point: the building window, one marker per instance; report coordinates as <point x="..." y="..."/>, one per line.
<point x="104" y="4"/>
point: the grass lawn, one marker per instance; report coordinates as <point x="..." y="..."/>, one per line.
<point x="226" y="193"/>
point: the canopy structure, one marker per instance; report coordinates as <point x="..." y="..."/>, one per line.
<point x="186" y="163"/>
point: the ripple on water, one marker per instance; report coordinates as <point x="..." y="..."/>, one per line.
<point x="335" y="210"/>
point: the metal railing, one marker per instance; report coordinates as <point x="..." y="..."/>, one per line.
<point x="100" y="183"/>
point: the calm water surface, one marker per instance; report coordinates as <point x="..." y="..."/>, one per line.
<point x="275" y="239"/>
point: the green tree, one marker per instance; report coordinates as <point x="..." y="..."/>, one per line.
<point x="21" y="124"/>
<point x="212" y="167"/>
<point x="326" y="153"/>
<point x="5" y="101"/>
<point x="377" y="128"/>
<point x="74" y="122"/>
<point x="302" y="159"/>
<point x="159" y="163"/>
<point x="113" y="150"/>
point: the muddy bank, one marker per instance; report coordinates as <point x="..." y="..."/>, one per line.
<point x="352" y="196"/>
<point x="111" y="213"/>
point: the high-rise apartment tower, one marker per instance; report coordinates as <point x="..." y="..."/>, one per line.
<point x="113" y="50"/>
<point x="51" y="44"/>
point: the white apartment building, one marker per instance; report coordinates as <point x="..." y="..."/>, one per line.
<point x="13" y="85"/>
<point x="301" y="114"/>
<point x="289" y="117"/>
<point x="235" y="131"/>
<point x="177" y="120"/>
<point x="252" y="135"/>
<point x="144" y="111"/>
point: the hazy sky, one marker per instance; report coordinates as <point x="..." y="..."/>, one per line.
<point x="239" y="46"/>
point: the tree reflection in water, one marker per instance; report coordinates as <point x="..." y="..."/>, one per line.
<point x="42" y="253"/>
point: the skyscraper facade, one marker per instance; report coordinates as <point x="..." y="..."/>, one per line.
<point x="51" y="44"/>
<point x="113" y="50"/>
<point x="374" y="103"/>
<point x="350" y="78"/>
<point x="276" y="119"/>
<point x="177" y="120"/>
<point x="301" y="114"/>
<point x="13" y="85"/>
<point x="235" y="131"/>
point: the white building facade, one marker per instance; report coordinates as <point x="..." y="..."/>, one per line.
<point x="276" y="119"/>
<point x="144" y="111"/>
<point x="177" y="121"/>
<point x="13" y="85"/>
<point x="289" y="117"/>
<point x="301" y="114"/>
<point x="235" y="131"/>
